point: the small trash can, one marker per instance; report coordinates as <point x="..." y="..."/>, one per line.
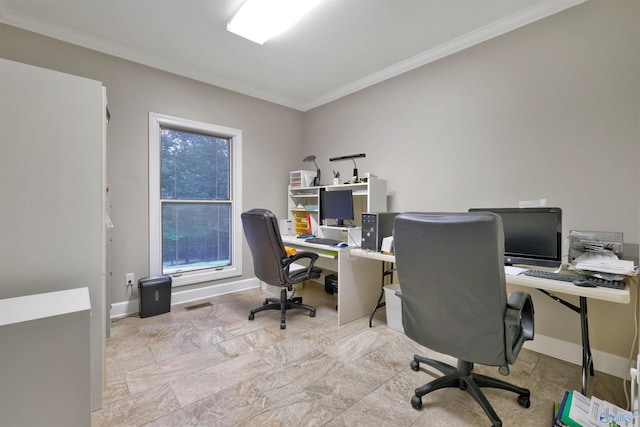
<point x="393" y="307"/>
<point x="155" y="295"/>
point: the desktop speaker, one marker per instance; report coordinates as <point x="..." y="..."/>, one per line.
<point x="375" y="227"/>
<point x="155" y="295"/>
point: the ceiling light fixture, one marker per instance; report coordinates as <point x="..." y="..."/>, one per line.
<point x="259" y="20"/>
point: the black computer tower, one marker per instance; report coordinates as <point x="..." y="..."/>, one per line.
<point x="331" y="284"/>
<point x="155" y="295"/>
<point x="375" y="227"/>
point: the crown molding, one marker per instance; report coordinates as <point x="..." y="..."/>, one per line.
<point x="497" y="28"/>
<point x="502" y="26"/>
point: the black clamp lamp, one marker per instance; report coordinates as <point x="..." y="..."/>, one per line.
<point x="312" y="158"/>
<point x="355" y="168"/>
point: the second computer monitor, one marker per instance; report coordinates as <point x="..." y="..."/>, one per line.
<point x="532" y="236"/>
<point x="337" y="205"/>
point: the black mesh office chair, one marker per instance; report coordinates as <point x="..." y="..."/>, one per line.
<point x="452" y="285"/>
<point x="273" y="265"/>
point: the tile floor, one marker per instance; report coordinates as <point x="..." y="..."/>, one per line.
<point x="211" y="366"/>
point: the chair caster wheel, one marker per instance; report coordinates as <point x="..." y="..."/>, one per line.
<point x="312" y="313"/>
<point x="416" y="402"/>
<point x="415" y="365"/>
<point x="524" y="401"/>
<point x="251" y="316"/>
<point x="283" y="325"/>
<point x="265" y="302"/>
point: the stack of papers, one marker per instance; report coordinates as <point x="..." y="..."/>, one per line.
<point x="604" y="262"/>
<point x="576" y="410"/>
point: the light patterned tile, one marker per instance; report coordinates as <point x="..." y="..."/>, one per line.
<point x="213" y="367"/>
<point x="136" y="410"/>
<point x="228" y="407"/>
<point x="278" y="383"/>
<point x="203" y="383"/>
<point x="172" y="369"/>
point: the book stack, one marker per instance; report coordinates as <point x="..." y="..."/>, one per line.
<point x="577" y="410"/>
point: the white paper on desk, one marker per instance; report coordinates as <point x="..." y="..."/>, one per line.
<point x="606" y="263"/>
<point x="513" y="271"/>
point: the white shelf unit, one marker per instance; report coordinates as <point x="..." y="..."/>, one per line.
<point x="304" y="206"/>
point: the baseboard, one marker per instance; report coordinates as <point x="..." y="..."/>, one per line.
<point x="570" y="352"/>
<point x="126" y="308"/>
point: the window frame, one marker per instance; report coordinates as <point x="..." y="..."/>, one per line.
<point x="156" y="121"/>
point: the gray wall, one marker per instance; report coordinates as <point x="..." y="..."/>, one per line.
<point x="271" y="138"/>
<point x="550" y="110"/>
<point x="547" y="111"/>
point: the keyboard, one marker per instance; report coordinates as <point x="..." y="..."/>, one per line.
<point x="323" y="241"/>
<point x="586" y="281"/>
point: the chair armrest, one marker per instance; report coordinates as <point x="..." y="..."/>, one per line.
<point x="286" y="263"/>
<point x="518" y="322"/>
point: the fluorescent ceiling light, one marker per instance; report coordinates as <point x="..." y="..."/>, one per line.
<point x="259" y="20"/>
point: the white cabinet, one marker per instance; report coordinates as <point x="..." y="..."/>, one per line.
<point x="44" y="360"/>
<point x="52" y="192"/>
<point x="304" y="204"/>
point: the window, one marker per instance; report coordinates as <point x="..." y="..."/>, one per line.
<point x="194" y="200"/>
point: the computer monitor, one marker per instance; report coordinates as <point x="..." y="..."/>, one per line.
<point x="337" y="205"/>
<point x="532" y="236"/>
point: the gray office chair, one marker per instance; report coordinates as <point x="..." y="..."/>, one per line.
<point x="273" y="265"/>
<point x="454" y="301"/>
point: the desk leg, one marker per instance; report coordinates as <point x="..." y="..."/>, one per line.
<point x="587" y="360"/>
<point x="380" y="303"/>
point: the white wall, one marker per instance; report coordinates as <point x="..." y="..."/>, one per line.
<point x="547" y="111"/>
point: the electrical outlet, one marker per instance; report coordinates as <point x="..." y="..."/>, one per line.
<point x="129" y="280"/>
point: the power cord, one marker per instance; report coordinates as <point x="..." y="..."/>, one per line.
<point x="634" y="383"/>
<point x="131" y="288"/>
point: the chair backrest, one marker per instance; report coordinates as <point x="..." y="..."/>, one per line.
<point x="451" y="273"/>
<point x="263" y="236"/>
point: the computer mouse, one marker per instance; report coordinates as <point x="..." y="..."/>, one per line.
<point x="342" y="245"/>
<point x="584" y="282"/>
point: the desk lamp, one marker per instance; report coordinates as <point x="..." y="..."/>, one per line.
<point x="350" y="157"/>
<point x="312" y="158"/>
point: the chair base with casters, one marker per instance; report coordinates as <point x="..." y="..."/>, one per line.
<point x="283" y="304"/>
<point x="464" y="379"/>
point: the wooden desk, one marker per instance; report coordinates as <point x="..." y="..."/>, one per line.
<point x="549" y="288"/>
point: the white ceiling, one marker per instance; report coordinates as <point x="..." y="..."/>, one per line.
<point x="342" y="46"/>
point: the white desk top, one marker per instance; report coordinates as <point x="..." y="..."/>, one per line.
<point x="605" y="294"/>
<point x="363" y="253"/>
